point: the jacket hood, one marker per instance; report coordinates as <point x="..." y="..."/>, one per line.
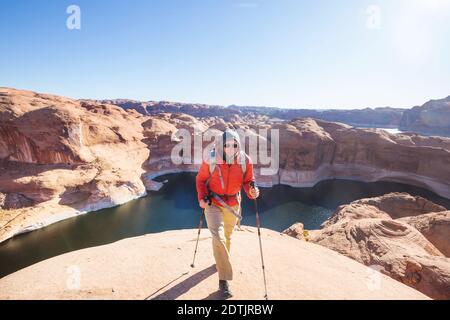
<point x="229" y="135"/>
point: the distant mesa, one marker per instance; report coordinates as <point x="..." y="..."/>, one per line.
<point x="367" y="117"/>
<point x="433" y="118"/>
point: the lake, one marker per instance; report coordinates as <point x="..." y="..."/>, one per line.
<point x="175" y="207"/>
<point x="389" y="130"/>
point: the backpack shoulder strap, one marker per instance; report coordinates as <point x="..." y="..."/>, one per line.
<point x="212" y="167"/>
<point x="243" y="161"/>
<point x="212" y="161"/>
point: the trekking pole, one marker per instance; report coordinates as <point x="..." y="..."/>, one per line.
<point x="208" y="200"/>
<point x="252" y="184"/>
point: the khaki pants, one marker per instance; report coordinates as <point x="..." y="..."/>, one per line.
<point x="221" y="223"/>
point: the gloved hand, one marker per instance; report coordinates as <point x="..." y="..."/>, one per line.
<point x="202" y="204"/>
<point x="254" y="192"/>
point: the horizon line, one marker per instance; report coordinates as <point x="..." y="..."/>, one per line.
<point x="223" y="105"/>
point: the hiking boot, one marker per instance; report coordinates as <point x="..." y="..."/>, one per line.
<point x="224" y="288"/>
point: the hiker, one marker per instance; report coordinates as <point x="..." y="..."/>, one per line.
<point x="220" y="179"/>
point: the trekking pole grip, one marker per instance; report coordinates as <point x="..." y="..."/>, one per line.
<point x="207" y="199"/>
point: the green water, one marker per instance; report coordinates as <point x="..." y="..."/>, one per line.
<point x="175" y="207"/>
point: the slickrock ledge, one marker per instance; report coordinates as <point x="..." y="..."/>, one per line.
<point x="157" y="266"/>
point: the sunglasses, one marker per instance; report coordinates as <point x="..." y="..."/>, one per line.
<point x="228" y="145"/>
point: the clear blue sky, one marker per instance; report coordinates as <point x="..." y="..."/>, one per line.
<point x="313" y="54"/>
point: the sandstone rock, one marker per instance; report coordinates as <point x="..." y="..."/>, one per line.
<point x="157" y="266"/>
<point x="413" y="139"/>
<point x="393" y="205"/>
<point x="435" y="227"/>
<point x="399" y="205"/>
<point x="14" y="201"/>
<point x="315" y="150"/>
<point x="57" y="151"/>
<point x="295" y="231"/>
<point x="431" y="118"/>
<point x="87" y="154"/>
<point x="361" y="117"/>
<point x="152" y="185"/>
<point x="353" y="211"/>
<point x="70" y="157"/>
<point x="400" y="249"/>
<point x="365" y="231"/>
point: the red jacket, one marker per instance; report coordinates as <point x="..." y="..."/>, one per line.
<point x="233" y="179"/>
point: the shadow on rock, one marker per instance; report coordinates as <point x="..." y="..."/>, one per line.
<point x="184" y="286"/>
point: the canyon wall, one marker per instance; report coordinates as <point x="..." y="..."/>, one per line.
<point x="60" y="157"/>
<point x="433" y="118"/>
<point x="376" y="117"/>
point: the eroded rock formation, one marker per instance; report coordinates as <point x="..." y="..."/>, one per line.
<point x="433" y="118"/>
<point x="68" y="157"/>
<point x="396" y="233"/>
